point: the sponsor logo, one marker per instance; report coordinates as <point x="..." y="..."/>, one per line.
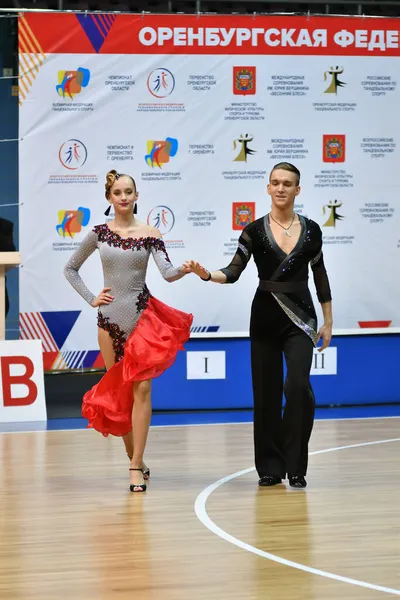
<point x="244" y="81"/>
<point x="72" y="154"/>
<point x="162" y="218"/>
<point x="71" y="222"/>
<point x="70" y="83"/>
<point x="242" y="145"/>
<point x="243" y="213"/>
<point x="334" y="216"/>
<point x="334" y="148"/>
<point x="160" y="152"/>
<point x="335" y="83"/>
<point x="161" y="83"/>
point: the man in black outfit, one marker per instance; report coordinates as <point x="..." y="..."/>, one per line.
<point x="6" y="244"/>
<point x="284" y="245"/>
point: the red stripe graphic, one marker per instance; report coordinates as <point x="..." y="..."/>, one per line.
<point x="22" y="332"/>
<point x="36" y="331"/>
<point x="104" y="22"/>
<point x="33" y="327"/>
<point x="94" y="19"/>
<point x="46" y="333"/>
<point x="110" y="20"/>
<point x="374" y="324"/>
<point x="51" y="33"/>
<point x="26" y="328"/>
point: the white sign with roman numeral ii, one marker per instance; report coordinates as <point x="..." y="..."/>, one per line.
<point x="324" y="363"/>
<point x="206" y="365"/>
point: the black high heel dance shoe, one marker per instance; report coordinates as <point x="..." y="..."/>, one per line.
<point x="137" y="487"/>
<point x="146" y="471"/>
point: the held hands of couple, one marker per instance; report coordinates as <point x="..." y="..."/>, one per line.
<point x="191" y="266"/>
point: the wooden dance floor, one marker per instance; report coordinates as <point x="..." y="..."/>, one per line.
<point x="71" y="530"/>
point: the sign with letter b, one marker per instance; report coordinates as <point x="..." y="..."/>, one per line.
<point x="22" y="396"/>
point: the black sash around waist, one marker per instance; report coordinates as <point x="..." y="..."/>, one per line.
<point x="284" y="287"/>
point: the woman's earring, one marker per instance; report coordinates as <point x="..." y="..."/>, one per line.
<point x="135" y="209"/>
<point x="107" y="212"/>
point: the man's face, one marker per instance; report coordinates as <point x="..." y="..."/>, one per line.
<point x="283" y="188"/>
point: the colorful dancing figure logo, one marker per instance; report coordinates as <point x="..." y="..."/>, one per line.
<point x="334" y="215"/>
<point x="160" y="152"/>
<point x="244" y="150"/>
<point x="335" y="82"/>
<point x="70" y="222"/>
<point x="72" y="154"/>
<point x="162" y="218"/>
<point x="161" y="83"/>
<point x="70" y="83"/>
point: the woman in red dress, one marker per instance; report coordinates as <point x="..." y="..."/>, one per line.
<point x="139" y="336"/>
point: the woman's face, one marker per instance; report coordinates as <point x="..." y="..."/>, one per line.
<point x="123" y="195"/>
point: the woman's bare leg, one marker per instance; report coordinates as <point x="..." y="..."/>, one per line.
<point x="128" y="441"/>
<point x="107" y="352"/>
<point x="141" y="417"/>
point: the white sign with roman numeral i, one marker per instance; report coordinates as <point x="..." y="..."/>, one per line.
<point x="206" y="365"/>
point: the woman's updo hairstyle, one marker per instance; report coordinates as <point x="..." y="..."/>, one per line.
<point x="111" y="178"/>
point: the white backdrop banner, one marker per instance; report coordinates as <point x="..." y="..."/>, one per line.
<point x="198" y="110"/>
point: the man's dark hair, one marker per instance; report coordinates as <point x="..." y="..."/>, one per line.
<point x="287" y="167"/>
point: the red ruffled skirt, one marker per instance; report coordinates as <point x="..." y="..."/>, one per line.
<point x="150" y="349"/>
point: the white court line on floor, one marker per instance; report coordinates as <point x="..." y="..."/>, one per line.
<point x="193" y="424"/>
<point x="202" y="515"/>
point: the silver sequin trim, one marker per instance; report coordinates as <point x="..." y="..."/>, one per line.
<point x="306" y="328"/>
<point x="243" y="249"/>
<point x="316" y="258"/>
